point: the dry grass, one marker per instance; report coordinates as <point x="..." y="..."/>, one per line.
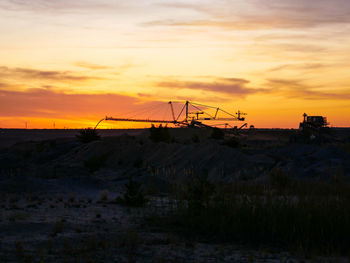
<point x="18" y="216"/>
<point x="309" y="216"/>
<point x="103" y="196"/>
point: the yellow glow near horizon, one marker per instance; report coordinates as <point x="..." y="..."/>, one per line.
<point x="75" y="62"/>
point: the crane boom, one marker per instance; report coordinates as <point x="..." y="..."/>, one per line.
<point x="189" y="121"/>
<point x="140" y="120"/>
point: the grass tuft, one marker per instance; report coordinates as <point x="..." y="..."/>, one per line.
<point x="311" y="216"/>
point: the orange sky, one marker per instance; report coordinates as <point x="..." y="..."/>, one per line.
<point x="73" y="62"/>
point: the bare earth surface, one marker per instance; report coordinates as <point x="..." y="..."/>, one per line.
<point x="58" y="194"/>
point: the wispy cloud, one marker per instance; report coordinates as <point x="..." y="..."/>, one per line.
<point x="296" y="88"/>
<point x="231" y="86"/>
<point x="304" y="66"/>
<point x="59" y="6"/>
<point x="238" y="23"/>
<point x="36" y="74"/>
<point x="91" y="66"/>
<point x="46" y="103"/>
<point x="257" y="14"/>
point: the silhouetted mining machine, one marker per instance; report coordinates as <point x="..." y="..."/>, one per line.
<point x="188" y="118"/>
<point x="314" y="123"/>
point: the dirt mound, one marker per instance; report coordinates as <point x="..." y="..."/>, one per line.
<point x="116" y="158"/>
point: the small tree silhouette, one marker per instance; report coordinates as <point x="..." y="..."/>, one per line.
<point x="199" y="191"/>
<point x="88" y="135"/>
<point x="279" y="178"/>
<point x="232" y="142"/>
<point x="133" y="195"/>
<point x="217" y="134"/>
<point x="160" y="134"/>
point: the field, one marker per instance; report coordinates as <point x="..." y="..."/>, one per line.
<point x="174" y="195"/>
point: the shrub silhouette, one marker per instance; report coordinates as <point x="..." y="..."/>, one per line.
<point x="195" y="138"/>
<point x="134" y="195"/>
<point x="199" y="191"/>
<point x="94" y="163"/>
<point x="88" y="135"/>
<point x="217" y="134"/>
<point x="232" y="142"/>
<point x="160" y="134"/>
<point x="279" y="178"/>
<point x="138" y="162"/>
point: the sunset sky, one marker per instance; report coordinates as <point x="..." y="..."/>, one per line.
<point x="73" y="62"/>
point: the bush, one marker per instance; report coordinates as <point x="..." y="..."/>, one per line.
<point x="232" y="142"/>
<point x="104" y="196"/>
<point x="94" y="163"/>
<point x="160" y="134"/>
<point x="279" y="178"/>
<point x="134" y="195"/>
<point x="138" y="162"/>
<point x="217" y="134"/>
<point x="58" y="227"/>
<point x="88" y="135"/>
<point x="199" y="191"/>
<point x="195" y="138"/>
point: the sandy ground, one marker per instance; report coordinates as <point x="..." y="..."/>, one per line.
<point x="57" y="201"/>
<point x="71" y="228"/>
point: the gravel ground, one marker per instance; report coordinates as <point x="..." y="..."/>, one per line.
<point x="52" y="189"/>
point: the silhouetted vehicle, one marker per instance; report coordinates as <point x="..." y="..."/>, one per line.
<point x="314" y="123"/>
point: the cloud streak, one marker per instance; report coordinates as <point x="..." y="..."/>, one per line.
<point x="298" y="89"/>
<point x="60" y="6"/>
<point x="230" y="86"/>
<point x="258" y="14"/>
<point x="49" y="104"/>
<point x="303" y="67"/>
<point x="35" y="74"/>
<point x="91" y="66"/>
<point x="239" y="15"/>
